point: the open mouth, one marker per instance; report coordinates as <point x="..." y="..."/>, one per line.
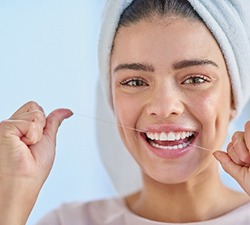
<point x="170" y="140"/>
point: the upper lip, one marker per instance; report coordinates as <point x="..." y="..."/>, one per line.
<point x="167" y="128"/>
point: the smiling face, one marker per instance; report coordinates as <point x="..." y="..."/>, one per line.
<point x="170" y="82"/>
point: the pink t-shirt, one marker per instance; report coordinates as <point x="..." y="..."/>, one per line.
<point x="114" y="212"/>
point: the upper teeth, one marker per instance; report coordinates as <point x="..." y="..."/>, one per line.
<point x="170" y="136"/>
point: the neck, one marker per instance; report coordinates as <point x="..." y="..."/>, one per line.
<point x="198" y="199"/>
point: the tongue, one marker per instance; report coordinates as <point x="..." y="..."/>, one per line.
<point x="167" y="143"/>
<point x="171" y="143"/>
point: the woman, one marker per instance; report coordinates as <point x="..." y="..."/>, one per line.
<point x="176" y="83"/>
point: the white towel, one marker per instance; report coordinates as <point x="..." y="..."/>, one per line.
<point x="229" y="22"/>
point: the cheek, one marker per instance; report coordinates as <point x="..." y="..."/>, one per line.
<point x="127" y="114"/>
<point x="211" y="108"/>
<point x="213" y="113"/>
<point x="214" y="102"/>
<point x="201" y="104"/>
<point x="126" y="110"/>
<point x="219" y="103"/>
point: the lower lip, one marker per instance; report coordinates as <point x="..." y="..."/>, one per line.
<point x="169" y="154"/>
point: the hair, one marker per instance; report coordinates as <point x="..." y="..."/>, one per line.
<point x="146" y="9"/>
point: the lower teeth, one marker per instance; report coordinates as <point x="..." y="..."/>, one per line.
<point x="175" y="147"/>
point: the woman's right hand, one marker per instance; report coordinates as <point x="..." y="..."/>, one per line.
<point x="27" y="151"/>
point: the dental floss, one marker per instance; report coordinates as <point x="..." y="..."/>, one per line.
<point x="131" y="128"/>
<point x="108" y="122"/>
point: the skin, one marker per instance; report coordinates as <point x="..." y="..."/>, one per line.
<point x="24" y="163"/>
<point x="28" y="137"/>
<point x="163" y="90"/>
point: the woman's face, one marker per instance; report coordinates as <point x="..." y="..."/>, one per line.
<point x="170" y="83"/>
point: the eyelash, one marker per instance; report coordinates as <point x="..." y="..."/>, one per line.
<point x="192" y="80"/>
<point x="133" y="82"/>
<point x="202" y="79"/>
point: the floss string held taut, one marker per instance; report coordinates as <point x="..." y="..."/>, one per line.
<point x="131" y="128"/>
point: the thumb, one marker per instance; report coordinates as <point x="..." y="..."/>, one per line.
<point x="54" y="120"/>
<point x="227" y="164"/>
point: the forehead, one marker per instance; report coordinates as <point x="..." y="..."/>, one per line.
<point x="172" y="38"/>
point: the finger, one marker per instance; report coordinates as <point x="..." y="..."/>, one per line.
<point x="54" y="120"/>
<point x="29" y="106"/>
<point x="29" y="132"/>
<point x="33" y="116"/>
<point x="227" y="164"/>
<point x="34" y="133"/>
<point x="239" y="149"/>
<point x="233" y="155"/>
<point x="239" y="135"/>
<point x="247" y="135"/>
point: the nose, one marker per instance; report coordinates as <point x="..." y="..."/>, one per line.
<point x="165" y="100"/>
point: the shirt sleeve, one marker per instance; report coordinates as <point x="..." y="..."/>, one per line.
<point x="50" y="219"/>
<point x="67" y="214"/>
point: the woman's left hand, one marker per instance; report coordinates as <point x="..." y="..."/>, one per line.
<point x="236" y="161"/>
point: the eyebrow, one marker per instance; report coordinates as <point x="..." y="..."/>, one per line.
<point x="177" y="65"/>
<point x="194" y="62"/>
<point x="135" y="66"/>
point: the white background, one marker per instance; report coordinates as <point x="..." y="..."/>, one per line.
<point x="48" y="53"/>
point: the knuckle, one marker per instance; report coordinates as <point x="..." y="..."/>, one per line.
<point x="38" y="116"/>
<point x="32" y="104"/>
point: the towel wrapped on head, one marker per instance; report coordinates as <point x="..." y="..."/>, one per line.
<point x="228" y="21"/>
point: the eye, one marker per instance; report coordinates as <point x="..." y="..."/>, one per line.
<point x="134" y="82"/>
<point x="196" y="79"/>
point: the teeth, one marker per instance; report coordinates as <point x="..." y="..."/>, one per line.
<point x="183" y="135"/>
<point x="175" y="147"/>
<point x="178" y="136"/>
<point x="171" y="136"/>
<point x="163" y="136"/>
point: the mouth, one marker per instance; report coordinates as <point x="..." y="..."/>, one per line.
<point x="170" y="140"/>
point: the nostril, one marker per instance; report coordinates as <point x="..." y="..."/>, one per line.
<point x="165" y="99"/>
<point x="164" y="109"/>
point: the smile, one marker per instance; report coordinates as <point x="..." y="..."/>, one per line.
<point x="170" y="140"/>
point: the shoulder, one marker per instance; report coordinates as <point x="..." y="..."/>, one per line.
<point x="87" y="213"/>
<point x="243" y="210"/>
<point x="240" y="215"/>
